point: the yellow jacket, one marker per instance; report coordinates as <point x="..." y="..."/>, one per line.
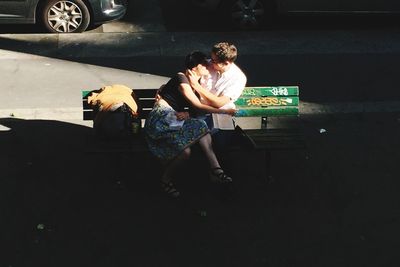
<point x="111" y="95"/>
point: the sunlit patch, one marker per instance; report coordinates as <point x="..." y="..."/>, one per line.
<point x="4" y="128"/>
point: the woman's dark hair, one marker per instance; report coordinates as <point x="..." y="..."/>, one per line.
<point x="195" y="58"/>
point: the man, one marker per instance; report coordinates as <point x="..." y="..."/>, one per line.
<point x="221" y="89"/>
<point x="226" y="81"/>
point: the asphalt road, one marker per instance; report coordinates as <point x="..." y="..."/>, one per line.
<point x="178" y="16"/>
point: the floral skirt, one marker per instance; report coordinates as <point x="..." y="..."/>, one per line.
<point x="166" y="143"/>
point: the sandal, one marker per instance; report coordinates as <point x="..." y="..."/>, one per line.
<point x="217" y="175"/>
<point x="169" y="189"/>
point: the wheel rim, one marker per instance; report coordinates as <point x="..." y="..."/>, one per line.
<point x="247" y="14"/>
<point x="64" y="16"/>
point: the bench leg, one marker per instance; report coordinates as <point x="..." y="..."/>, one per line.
<point x="268" y="177"/>
<point x="264" y="122"/>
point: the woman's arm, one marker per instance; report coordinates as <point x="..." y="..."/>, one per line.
<point x="213" y="100"/>
<point x="187" y="92"/>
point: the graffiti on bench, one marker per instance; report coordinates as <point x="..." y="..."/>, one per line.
<point x="271" y="91"/>
<point x="267" y="101"/>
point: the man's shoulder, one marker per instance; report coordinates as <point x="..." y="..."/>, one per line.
<point x="238" y="69"/>
<point x="235" y="70"/>
<point x="235" y="74"/>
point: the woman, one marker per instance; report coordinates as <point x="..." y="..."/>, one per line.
<point x="172" y="145"/>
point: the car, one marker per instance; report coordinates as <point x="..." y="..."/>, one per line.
<point x="62" y="16"/>
<point x="251" y="14"/>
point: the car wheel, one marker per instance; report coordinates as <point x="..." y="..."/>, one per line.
<point x="65" y="16"/>
<point x="247" y="14"/>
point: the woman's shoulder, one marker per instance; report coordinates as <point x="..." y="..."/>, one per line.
<point x="182" y="77"/>
<point x="178" y="76"/>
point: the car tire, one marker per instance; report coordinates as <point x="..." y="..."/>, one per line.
<point x="247" y="14"/>
<point x="65" y="16"/>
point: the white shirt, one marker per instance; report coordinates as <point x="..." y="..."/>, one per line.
<point x="230" y="83"/>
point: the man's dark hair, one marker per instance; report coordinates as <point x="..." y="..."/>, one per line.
<point x="195" y="58"/>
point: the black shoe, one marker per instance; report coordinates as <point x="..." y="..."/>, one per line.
<point x="217" y="175"/>
<point x="169" y="189"/>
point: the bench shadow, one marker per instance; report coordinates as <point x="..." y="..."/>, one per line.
<point x="63" y="206"/>
<point x="55" y="194"/>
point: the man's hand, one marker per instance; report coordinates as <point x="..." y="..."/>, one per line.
<point x="193" y="78"/>
<point x="229" y="111"/>
<point x="157" y="96"/>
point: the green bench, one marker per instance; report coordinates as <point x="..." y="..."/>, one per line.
<point x="268" y="101"/>
<point x="254" y="102"/>
<point x="262" y="102"/>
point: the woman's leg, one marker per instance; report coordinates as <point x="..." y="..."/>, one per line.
<point x="166" y="184"/>
<point x="217" y="174"/>
<point x="206" y="145"/>
<point x="174" y="164"/>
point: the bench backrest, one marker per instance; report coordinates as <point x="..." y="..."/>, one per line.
<point x="268" y="101"/>
<point x="145" y="99"/>
<point x="254" y="102"/>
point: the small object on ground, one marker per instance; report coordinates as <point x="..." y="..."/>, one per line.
<point x="202" y="213"/>
<point x="322" y="130"/>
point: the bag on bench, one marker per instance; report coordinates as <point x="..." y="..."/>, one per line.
<point x="115" y="111"/>
<point x="116" y="123"/>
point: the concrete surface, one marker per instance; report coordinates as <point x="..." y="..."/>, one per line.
<point x="43" y="74"/>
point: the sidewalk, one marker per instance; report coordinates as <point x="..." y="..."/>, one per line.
<point x="334" y="204"/>
<point x="43" y="75"/>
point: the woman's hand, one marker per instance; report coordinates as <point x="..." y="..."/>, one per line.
<point x="193" y="78"/>
<point x="180" y="116"/>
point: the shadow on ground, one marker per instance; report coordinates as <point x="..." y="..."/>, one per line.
<point x="61" y="206"/>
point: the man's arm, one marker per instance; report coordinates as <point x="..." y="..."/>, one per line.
<point x="213" y="100"/>
<point x="210" y="98"/>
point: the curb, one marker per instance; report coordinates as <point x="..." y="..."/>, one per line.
<point x="95" y="45"/>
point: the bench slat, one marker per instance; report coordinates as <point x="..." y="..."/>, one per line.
<point x="145" y="93"/>
<point x="267" y="101"/>
<point x="145" y="98"/>
<point x="271" y="139"/>
<point x="140" y="93"/>
<point x="147" y="103"/>
<point x="264" y="112"/>
<point x="85" y="104"/>
<point x="254" y="102"/>
<point x="88" y="115"/>
<point x="271" y="91"/>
